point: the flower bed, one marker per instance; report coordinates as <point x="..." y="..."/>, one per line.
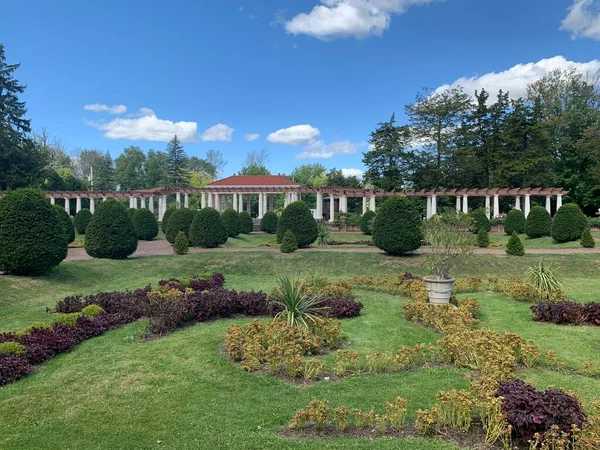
<point x="567" y="313"/>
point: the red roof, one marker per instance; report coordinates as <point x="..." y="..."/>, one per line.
<point x="255" y="180"/>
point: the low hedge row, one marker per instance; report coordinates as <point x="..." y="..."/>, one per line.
<point x="567" y="313"/>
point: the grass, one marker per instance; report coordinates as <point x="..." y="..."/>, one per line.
<point x="181" y="392"/>
<point x="258" y="239"/>
<point x="544" y="242"/>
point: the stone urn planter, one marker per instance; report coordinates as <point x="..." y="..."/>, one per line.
<point x="439" y="291"/>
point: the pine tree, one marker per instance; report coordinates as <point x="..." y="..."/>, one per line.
<point x="514" y="246"/>
<point x="177" y="175"/>
<point x="587" y="240"/>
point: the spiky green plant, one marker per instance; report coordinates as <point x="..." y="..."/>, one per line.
<point x="542" y="276"/>
<point x="323" y="234"/>
<point x="299" y="308"/>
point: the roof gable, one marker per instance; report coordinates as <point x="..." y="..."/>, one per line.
<point x="255" y="180"/>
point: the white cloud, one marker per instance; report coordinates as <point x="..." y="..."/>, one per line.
<point x="97" y="107"/>
<point x="219" y="132"/>
<point x="147" y="127"/>
<point x="252" y="136"/>
<point x="583" y="19"/>
<point x="516" y="79"/>
<point x="344" y="18"/>
<point x="296" y="135"/>
<point x="319" y="149"/>
<point x="353" y="173"/>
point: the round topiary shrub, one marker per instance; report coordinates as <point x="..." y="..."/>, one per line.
<point x="131" y="212"/>
<point x="269" y="222"/>
<point x="514" y="246"/>
<point x="92" y="311"/>
<point x="82" y="219"/>
<point x="538" y="223"/>
<point x="483" y="239"/>
<point x="231" y="220"/>
<point x="66" y="221"/>
<point x="397" y="227"/>
<point x="514" y="222"/>
<point x="166" y="216"/>
<point x="288" y="243"/>
<point x="111" y="233"/>
<point x="145" y="224"/>
<point x="480" y="220"/>
<point x="207" y="229"/>
<point x="298" y="218"/>
<point x="182" y="245"/>
<point x="366" y="222"/>
<point x="246" y="223"/>
<point x="11" y="348"/>
<point x="180" y="220"/>
<point x="569" y="223"/>
<point x="587" y="240"/>
<point x="32" y="236"/>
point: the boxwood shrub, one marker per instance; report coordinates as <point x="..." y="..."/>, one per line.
<point x="110" y="233"/>
<point x="298" y="218"/>
<point x="180" y="220"/>
<point x="397" y="227"/>
<point x="289" y="243"/>
<point x="207" y="229"/>
<point x="514" y="246"/>
<point x="587" y="240"/>
<point x="246" y="223"/>
<point x="145" y="224"/>
<point x="514" y="222"/>
<point x="569" y="223"/>
<point x="366" y="222"/>
<point x="82" y="219"/>
<point x="181" y="245"/>
<point x="269" y="222"/>
<point x="480" y="220"/>
<point x="32" y="236"/>
<point x="538" y="223"/>
<point x="66" y="221"/>
<point x="231" y="220"/>
<point x="166" y="217"/>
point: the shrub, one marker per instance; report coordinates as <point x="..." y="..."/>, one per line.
<point x="542" y="277"/>
<point x="32" y="237"/>
<point x="92" y="311"/>
<point x="166" y="216"/>
<point x="514" y="222"/>
<point x="231" y="220"/>
<point x="110" y="233"/>
<point x="246" y="223"/>
<point x="480" y="220"/>
<point x="207" y="229"/>
<point x="145" y="224"/>
<point x="323" y="234"/>
<point x="567" y="313"/>
<point x="131" y="212"/>
<point x="66" y="221"/>
<point x="182" y="246"/>
<point x="12" y="368"/>
<point x="340" y="308"/>
<point x="397" y="227"/>
<point x="269" y="222"/>
<point x="366" y="222"/>
<point x="11" y="348"/>
<point x="514" y="246"/>
<point x="180" y="220"/>
<point x="288" y="243"/>
<point x="483" y="239"/>
<point x="298" y="218"/>
<point x="538" y="223"/>
<point x="299" y="307"/>
<point x="587" y="240"/>
<point x="569" y="223"/>
<point x="82" y="219"/>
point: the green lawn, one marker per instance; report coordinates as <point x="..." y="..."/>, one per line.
<point x="181" y="392"/>
<point x="258" y="239"/>
<point x="545" y="242"/>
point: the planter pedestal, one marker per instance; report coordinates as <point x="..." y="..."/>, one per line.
<point x="439" y="291"/>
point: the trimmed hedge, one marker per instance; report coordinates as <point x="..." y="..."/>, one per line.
<point x="514" y="246"/>
<point x="82" y="219"/>
<point x="483" y="239"/>
<point x="587" y="240"/>
<point x="111" y="233"/>
<point x="514" y="222"/>
<point x="131" y="212"/>
<point x="32" y="235"/>
<point x="207" y="229"/>
<point x="269" y="222"/>
<point x="231" y="220"/>
<point x="538" y="223"/>
<point x="480" y="220"/>
<point x="146" y="226"/>
<point x="289" y="243"/>
<point x="366" y="222"/>
<point x="66" y="221"/>
<point x="180" y="220"/>
<point x="181" y="246"/>
<point x="569" y="223"/>
<point x="166" y="216"/>
<point x="298" y="218"/>
<point x="246" y="223"/>
<point x="397" y="227"/>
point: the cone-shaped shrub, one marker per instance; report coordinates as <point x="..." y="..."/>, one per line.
<point x="110" y="233"/>
<point x="269" y="222"/>
<point x="289" y="243"/>
<point x="514" y="246"/>
<point x="181" y="246"/>
<point x="397" y="227"/>
<point x="514" y="222"/>
<point x="82" y="219"/>
<point x="145" y="224"/>
<point x="246" y="223"/>
<point x="298" y="218"/>
<point x="538" y="223"/>
<point x="569" y="223"/>
<point x="366" y="222"/>
<point x="231" y="220"/>
<point x="66" y="221"/>
<point x="180" y="220"/>
<point x="166" y="217"/>
<point x="207" y="229"/>
<point x="587" y="240"/>
<point x="483" y="239"/>
<point x="32" y="237"/>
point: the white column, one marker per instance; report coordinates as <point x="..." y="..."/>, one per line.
<point x="319" y="206"/>
<point x="78" y="205"/>
<point x="164" y="207"/>
<point x="52" y="201"/>
<point x="235" y="201"/>
<point x="331" y="207"/>
<point x="465" y="203"/>
<point x="558" y="201"/>
<point x="458" y="206"/>
<point x="527" y="204"/>
<point x="68" y="205"/>
<point x="249" y="204"/>
<point x="218" y="202"/>
<point x="548" y="204"/>
<point x="151" y="203"/>
<point x="211" y="200"/>
<point x="364" y="209"/>
<point x="240" y="202"/>
<point x="186" y="200"/>
<point x="518" y="203"/>
<point x="433" y="205"/>
<point x="372" y="204"/>
<point x="104" y="199"/>
<point x="178" y="199"/>
<point x="496" y="205"/>
<point x="92" y="206"/>
<point x="143" y="200"/>
<point x="261" y="205"/>
<point x="428" y="213"/>
<point x="131" y="204"/>
<point x="344" y="204"/>
<point x="487" y="206"/>
<point x="202" y="200"/>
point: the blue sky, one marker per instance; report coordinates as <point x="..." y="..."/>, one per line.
<point x="312" y="78"/>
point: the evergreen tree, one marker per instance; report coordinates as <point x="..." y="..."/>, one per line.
<point x="514" y="246"/>
<point x="587" y="240"/>
<point x="177" y="174"/>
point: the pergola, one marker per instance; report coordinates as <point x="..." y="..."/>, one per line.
<point x="238" y="191"/>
